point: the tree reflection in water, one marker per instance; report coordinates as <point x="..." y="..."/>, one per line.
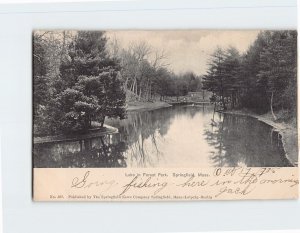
<point x="96" y="152"/>
<point x="181" y="136"/>
<point x="144" y="134"/>
<point x="244" y="141"/>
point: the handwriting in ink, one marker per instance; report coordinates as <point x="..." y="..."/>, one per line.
<point x="134" y="183"/>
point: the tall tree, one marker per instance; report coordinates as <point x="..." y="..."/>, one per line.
<point x="232" y="83"/>
<point x="40" y="78"/>
<point x="277" y="66"/>
<point x="263" y="79"/>
<point x="214" y="80"/>
<point x="90" y="87"/>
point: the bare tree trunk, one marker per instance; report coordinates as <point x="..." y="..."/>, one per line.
<point x="136" y="89"/>
<point x="150" y="91"/>
<point x="132" y="86"/>
<point x="140" y="94"/>
<point x="102" y="122"/>
<point x="147" y="91"/>
<point x="126" y="83"/>
<point x="271" y="106"/>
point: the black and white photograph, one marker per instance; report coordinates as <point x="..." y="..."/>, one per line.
<point x="164" y="98"/>
<point x="179" y="113"/>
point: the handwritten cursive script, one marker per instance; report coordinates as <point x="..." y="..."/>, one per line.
<point x="83" y="182"/>
<point x="140" y="184"/>
<point x="227" y="183"/>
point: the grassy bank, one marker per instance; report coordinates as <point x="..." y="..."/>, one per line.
<point x="145" y="106"/>
<point x="286" y="128"/>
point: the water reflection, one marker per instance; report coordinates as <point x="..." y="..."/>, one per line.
<point x="182" y="136"/>
<point x="146" y="135"/>
<point x="97" y="152"/>
<point x="244" y="141"/>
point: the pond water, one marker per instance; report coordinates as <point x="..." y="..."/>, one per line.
<point x="181" y="136"/>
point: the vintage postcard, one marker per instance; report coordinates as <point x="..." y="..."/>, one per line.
<point x="164" y="115"/>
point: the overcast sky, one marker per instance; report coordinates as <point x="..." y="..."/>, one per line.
<point x="187" y="50"/>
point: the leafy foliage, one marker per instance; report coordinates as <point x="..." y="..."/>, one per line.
<point x="262" y="79"/>
<point x="87" y="87"/>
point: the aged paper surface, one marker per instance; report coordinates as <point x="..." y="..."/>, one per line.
<point x="165" y="115"/>
<point x="115" y="184"/>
